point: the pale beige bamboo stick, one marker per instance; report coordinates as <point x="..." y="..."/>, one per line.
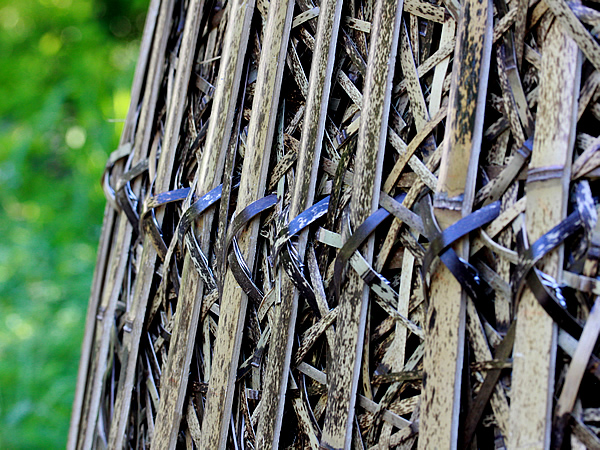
<point x="127" y="137"/>
<point x="445" y="321"/>
<point x="175" y="372"/>
<point x="282" y="338"/>
<point x="346" y="354"/>
<point x="252" y="186"/>
<point x="121" y="244"/>
<point x="535" y="342"/>
<point x="135" y="315"/>
<point x="577" y="368"/>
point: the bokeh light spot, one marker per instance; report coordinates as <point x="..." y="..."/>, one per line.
<point x="75" y="137"/>
<point x="20" y="327"/>
<point x="50" y="44"/>
<point x="9" y="17"/>
<point x="71" y="34"/>
<point x="121" y="103"/>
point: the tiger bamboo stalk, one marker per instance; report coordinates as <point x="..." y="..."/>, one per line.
<point x="86" y="348"/>
<point x="141" y="73"/>
<point x="112" y="285"/>
<point x="209" y="175"/>
<point x="211" y="168"/>
<point x="143" y="282"/>
<point x="136" y="315"/>
<point x="103" y="329"/>
<point x="535" y="342"/>
<point x="346" y="355"/>
<point x="252" y="186"/>
<point x="315" y="114"/>
<point x="445" y="321"/>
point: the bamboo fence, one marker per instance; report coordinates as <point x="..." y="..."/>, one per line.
<point x="360" y="224"/>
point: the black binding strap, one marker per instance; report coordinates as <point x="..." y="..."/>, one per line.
<point x="239" y="268"/>
<point x="196" y="210"/>
<point x="549" y="241"/>
<point x="242" y="274"/>
<point x="289" y="257"/>
<point x="355" y="241"/>
<point x="465" y="273"/>
<point x="496" y="188"/>
<point x="545" y="289"/>
<point x="454" y="232"/>
<point x="246" y="215"/>
<point x="148" y="223"/>
<point x="549" y="294"/>
<point x="125" y="197"/>
<point x="184" y="230"/>
<point x="298" y="223"/>
<point x="293" y="268"/>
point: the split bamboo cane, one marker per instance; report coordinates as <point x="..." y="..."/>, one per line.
<point x="343" y="381"/>
<point x="252" y="185"/>
<point x="535" y="343"/>
<point x="444" y="349"/>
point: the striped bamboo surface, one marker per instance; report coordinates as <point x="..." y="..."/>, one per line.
<point x="352" y="224"/>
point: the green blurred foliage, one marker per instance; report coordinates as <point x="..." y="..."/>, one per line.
<point x="65" y="72"/>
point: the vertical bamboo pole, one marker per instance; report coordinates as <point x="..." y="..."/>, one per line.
<point x="135" y="316"/>
<point x="183" y="340"/>
<point x="252" y="186"/>
<point x="535" y="342"/>
<point x="118" y="253"/>
<point x="282" y="337"/>
<point x="445" y="321"/>
<point x="345" y="367"/>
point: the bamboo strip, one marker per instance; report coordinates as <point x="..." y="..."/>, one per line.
<point x="212" y="162"/>
<point x="535" y="342"/>
<point x="101" y="267"/>
<point x="575" y="373"/>
<point x="575" y="29"/>
<point x="252" y="185"/>
<point x="134" y="317"/>
<point x="413" y="86"/>
<point x="435" y="99"/>
<point x="119" y="258"/>
<point x="343" y="377"/>
<point x="425" y="10"/>
<point x="454" y="197"/>
<point x="280" y="349"/>
<point x="482" y="352"/>
<point x="162" y="183"/>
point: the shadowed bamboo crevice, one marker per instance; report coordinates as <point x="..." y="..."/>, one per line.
<point x="351" y="224"/>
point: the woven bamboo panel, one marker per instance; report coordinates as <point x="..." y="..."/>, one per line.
<point x="360" y="224"/>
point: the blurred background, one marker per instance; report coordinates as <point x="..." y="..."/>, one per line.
<point x="66" y="67"/>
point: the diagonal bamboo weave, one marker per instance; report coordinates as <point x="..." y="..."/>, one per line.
<point x="361" y="224"/>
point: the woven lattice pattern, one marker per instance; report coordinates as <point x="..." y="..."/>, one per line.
<point x="360" y="224"/>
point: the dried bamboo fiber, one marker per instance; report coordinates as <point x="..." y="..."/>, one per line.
<point x="360" y="224"/>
